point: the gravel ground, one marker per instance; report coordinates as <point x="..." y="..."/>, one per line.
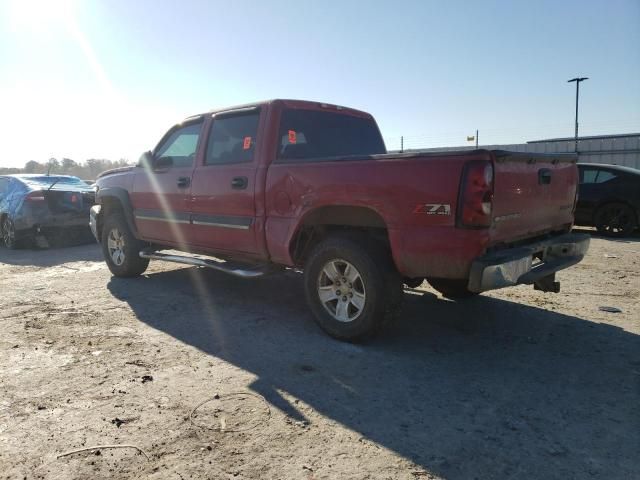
<point x="512" y="384"/>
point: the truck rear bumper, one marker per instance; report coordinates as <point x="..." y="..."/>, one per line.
<point x="513" y="266"/>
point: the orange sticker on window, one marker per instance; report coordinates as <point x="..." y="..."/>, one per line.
<point x="247" y="143"/>
<point x="292" y="136"/>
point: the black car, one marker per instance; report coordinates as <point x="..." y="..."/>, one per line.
<point x="34" y="205"/>
<point x="608" y="198"/>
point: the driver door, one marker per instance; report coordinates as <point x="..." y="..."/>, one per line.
<point x="161" y="193"/>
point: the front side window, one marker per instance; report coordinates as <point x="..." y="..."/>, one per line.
<point x="312" y="134"/>
<point x="232" y="138"/>
<point x="181" y="145"/>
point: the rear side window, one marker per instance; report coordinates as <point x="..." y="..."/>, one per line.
<point x="596" y="176"/>
<point x="232" y="138"/>
<point x="605" y="176"/>
<point x="589" y="176"/>
<point x="311" y="134"/>
<point x="181" y="145"/>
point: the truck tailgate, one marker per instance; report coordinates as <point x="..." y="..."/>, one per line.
<point x="533" y="194"/>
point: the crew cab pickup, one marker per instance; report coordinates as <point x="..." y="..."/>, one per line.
<point x="254" y="189"/>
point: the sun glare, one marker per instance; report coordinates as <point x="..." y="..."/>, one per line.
<point x="38" y="16"/>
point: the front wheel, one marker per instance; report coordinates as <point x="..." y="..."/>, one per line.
<point x="350" y="288"/>
<point x="121" y="249"/>
<point x="615" y="219"/>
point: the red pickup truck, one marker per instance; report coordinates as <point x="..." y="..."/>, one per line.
<point x="305" y="185"/>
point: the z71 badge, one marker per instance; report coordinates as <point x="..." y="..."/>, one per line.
<point x="433" y="208"/>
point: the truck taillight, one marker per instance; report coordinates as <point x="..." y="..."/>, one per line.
<point x="475" y="203"/>
<point x="35" y="197"/>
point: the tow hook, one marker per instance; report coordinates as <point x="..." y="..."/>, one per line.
<point x="547" y="284"/>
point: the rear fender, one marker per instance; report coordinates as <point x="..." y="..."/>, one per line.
<point x="324" y="219"/>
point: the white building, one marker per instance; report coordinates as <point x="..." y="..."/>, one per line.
<point x="623" y="149"/>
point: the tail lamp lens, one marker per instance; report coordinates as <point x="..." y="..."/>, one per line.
<point x="35" y="197"/>
<point x="476" y="196"/>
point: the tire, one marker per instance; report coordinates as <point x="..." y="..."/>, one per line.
<point x="121" y="249"/>
<point x="9" y="234"/>
<point x="452" y="288"/>
<point x="368" y="286"/>
<point x="615" y="220"/>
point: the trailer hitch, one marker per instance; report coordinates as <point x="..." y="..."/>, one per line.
<point x="547" y="284"/>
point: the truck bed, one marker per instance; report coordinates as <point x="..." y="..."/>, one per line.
<point x="417" y="194"/>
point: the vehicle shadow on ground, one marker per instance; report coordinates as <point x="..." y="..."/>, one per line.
<point x="481" y="389"/>
<point x="62" y="253"/>
<point x="635" y="237"/>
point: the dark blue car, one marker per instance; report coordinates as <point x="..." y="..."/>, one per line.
<point x="41" y="205"/>
<point x="608" y="198"/>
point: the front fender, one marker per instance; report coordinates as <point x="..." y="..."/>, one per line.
<point x="120" y="195"/>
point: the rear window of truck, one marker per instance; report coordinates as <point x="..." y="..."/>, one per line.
<point x="311" y="134"/>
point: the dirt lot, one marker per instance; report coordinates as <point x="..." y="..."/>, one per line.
<point x="513" y="384"/>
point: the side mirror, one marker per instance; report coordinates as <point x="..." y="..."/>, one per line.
<point x="163" y="162"/>
<point x="146" y="160"/>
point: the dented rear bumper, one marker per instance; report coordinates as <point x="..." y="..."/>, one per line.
<point x="527" y="264"/>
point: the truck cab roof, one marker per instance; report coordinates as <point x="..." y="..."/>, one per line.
<point x="286" y="103"/>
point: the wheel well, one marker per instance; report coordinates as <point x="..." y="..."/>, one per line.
<point x="109" y="206"/>
<point x="362" y="222"/>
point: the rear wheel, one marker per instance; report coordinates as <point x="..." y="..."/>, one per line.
<point x="9" y="233"/>
<point x="350" y="288"/>
<point x="121" y="249"/>
<point x="451" y="288"/>
<point x="615" y="219"/>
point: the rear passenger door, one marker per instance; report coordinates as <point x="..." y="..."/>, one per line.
<point x="223" y="188"/>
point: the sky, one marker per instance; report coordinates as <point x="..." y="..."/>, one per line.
<point x="106" y="78"/>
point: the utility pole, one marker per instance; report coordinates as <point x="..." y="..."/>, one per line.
<point x="402" y="144"/>
<point x="577" y="80"/>
<point x="476" y="139"/>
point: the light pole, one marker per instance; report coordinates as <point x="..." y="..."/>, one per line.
<point x="577" y="80"/>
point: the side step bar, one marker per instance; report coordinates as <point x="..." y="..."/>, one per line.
<point x="222" y="266"/>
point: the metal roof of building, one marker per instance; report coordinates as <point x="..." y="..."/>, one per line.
<point x="594" y="137"/>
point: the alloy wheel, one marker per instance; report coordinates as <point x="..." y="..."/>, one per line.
<point x="341" y="290"/>
<point x="616" y="220"/>
<point x="116" y="246"/>
<point x="8" y="233"/>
